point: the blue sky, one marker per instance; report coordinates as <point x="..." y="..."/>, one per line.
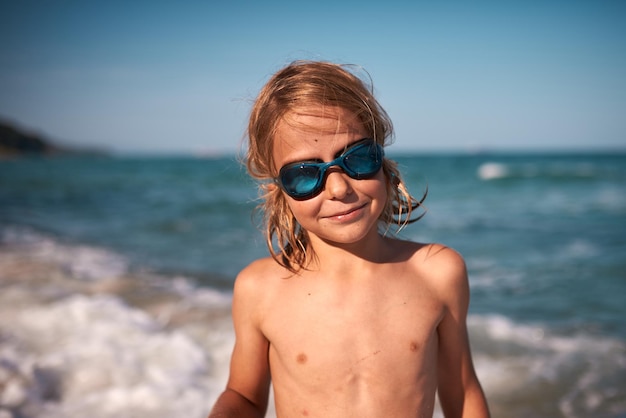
<point x="151" y="76"/>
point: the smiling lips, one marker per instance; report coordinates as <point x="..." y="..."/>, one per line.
<point x="348" y="214"/>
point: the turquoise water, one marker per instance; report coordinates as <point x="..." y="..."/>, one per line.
<point x="544" y="237"/>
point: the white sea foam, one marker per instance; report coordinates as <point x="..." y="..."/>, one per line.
<point x="98" y="357"/>
<point x="70" y="350"/>
<point x="495" y="170"/>
<point x="578" y="249"/>
<point x="522" y="364"/>
<point x="79" y="261"/>
<point x="492" y="170"/>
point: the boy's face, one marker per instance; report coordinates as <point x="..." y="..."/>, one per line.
<point x="347" y="210"/>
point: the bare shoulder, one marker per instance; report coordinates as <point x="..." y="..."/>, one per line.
<point x="254" y="282"/>
<point x="441" y="268"/>
<point x="432" y="257"/>
<point x="259" y="274"/>
<point x="257" y="270"/>
<point x="439" y="258"/>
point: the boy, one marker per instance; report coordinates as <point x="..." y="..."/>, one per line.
<point x="346" y="321"/>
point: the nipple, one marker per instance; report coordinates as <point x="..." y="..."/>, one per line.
<point x="301" y="358"/>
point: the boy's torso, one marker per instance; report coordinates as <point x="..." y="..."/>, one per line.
<point x="363" y="346"/>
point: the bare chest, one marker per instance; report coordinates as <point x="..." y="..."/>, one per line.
<point x="355" y="339"/>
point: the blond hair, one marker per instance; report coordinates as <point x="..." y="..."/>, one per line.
<point x="308" y="84"/>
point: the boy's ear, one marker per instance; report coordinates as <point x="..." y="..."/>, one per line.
<point x="271" y="187"/>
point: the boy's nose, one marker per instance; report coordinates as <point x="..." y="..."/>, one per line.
<point x="337" y="184"/>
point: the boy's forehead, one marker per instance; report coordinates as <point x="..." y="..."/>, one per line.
<point x="301" y="133"/>
<point x="320" y="120"/>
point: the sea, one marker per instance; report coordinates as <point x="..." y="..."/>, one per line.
<point x="116" y="277"/>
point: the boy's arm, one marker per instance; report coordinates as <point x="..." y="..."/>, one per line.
<point x="460" y="392"/>
<point x="233" y="404"/>
<point x="247" y="391"/>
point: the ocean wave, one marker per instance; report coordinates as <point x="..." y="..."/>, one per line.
<point x="490" y="171"/>
<point x="529" y="370"/>
<point x="493" y="170"/>
<point x="124" y="343"/>
<point x="98" y="357"/>
<point x="79" y="261"/>
<point x="128" y="345"/>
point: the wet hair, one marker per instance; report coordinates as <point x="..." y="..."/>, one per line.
<point x="307" y="84"/>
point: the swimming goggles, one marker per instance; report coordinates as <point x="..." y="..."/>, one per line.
<point x="304" y="180"/>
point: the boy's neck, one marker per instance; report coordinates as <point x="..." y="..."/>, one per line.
<point x="335" y="257"/>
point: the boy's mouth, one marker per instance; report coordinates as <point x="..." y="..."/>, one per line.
<point x="346" y="213"/>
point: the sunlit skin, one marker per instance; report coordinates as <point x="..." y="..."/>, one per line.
<point x="371" y="328"/>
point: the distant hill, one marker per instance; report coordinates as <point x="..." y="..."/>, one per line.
<point x="15" y="141"/>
